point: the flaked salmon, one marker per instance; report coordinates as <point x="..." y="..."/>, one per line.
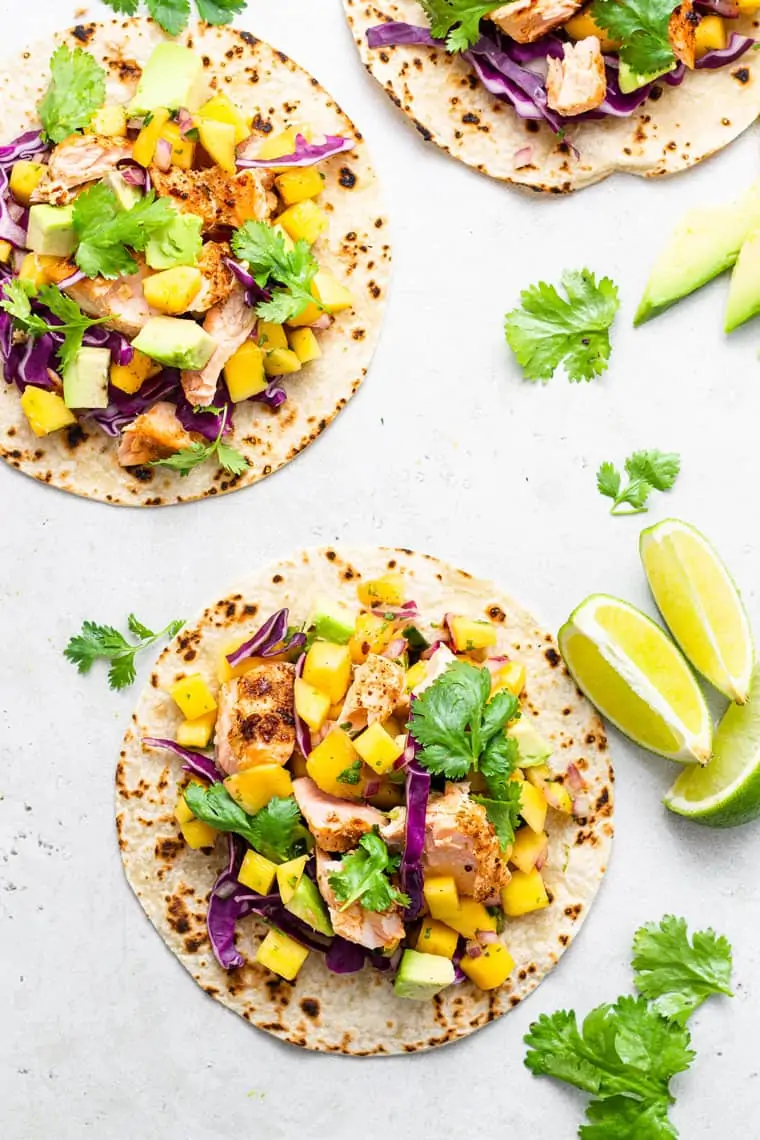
<point x="337" y="825"/>
<point x="256" y="721"/>
<point x="76" y="161"/>
<point x="375" y="930"/>
<point x="156" y="434"/>
<point x="229" y="324"/>
<point x="218" y="198"/>
<point x="577" y="82"/>
<point x="529" y="20"/>
<point x="377" y="688"/>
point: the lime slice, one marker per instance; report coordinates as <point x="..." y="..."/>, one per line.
<point x="636" y="677"/>
<point x="726" y="792"/>
<point x="700" y="604"/>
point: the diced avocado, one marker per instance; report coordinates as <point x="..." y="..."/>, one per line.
<point x="51" y="231"/>
<point x="177" y="244"/>
<point x="744" y="292"/>
<point x="531" y="746"/>
<point x="705" y="243"/>
<point x="307" y="904"/>
<point x="127" y="196"/>
<point x="333" y="621"/>
<point x="85" y="381"/>
<point x="175" y="342"/>
<point x="422" y="976"/>
<point x="173" y="77"/>
<point x="629" y="80"/>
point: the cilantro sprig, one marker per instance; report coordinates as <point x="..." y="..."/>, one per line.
<point x="548" y="329"/>
<point x="16" y="299"/>
<point x="676" y="975"/>
<point x="641" y="26"/>
<point x="352" y="774"/>
<point x="106" y="233"/>
<point x="291" y="270"/>
<point x="188" y="458"/>
<point x="363" y="877"/>
<point x="277" y="831"/>
<point x="173" y="15"/>
<point x="104" y="643"/>
<point x="456" y="21"/>
<point x="76" y="91"/>
<point x="647" y="471"/>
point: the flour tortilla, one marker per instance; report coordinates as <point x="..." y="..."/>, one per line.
<point x="263" y="81"/>
<point x="676" y="127"/>
<point x="356" y="1014"/>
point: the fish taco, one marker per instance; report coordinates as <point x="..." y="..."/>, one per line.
<point x="363" y="802"/>
<point x="193" y="262"/>
<point x="557" y="94"/>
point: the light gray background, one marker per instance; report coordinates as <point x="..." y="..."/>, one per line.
<point x="447" y="450"/>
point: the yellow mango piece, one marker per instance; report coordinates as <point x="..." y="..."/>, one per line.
<point x="558" y="797"/>
<point x="538" y="774"/>
<point x="6" y="251"/>
<point x="131" y="377"/>
<point x="288" y="876"/>
<point x="110" y="120"/>
<point x="281" y="954"/>
<point x="45" y="411"/>
<point x="329" y="759"/>
<point x="510" y="677"/>
<point x="182" y="812"/>
<point x="297" y="764"/>
<point x="533" y="806"/>
<point x="469" y="635"/>
<point x="491" y="968"/>
<point x="173" y="290"/>
<point x="373" y="635"/>
<point x="309" y="315"/>
<point x="524" y="893"/>
<point x="709" y="34"/>
<point x="271" y="336"/>
<point x="378" y="749"/>
<point x="334" y="297"/>
<point x="221" y="109"/>
<point x="387" y="796"/>
<point x="218" y="141"/>
<point x="255" y="787"/>
<point x="312" y="705"/>
<point x="281" y="362"/>
<point x="305" y="345"/>
<point x="198" y="834"/>
<point x="415" y="675"/>
<point x="25" y="178"/>
<point x="387" y="591"/>
<point x="299" y="184"/>
<point x="529" y="846"/>
<point x="436" y="938"/>
<point x="197" y="733"/>
<point x="469" y="918"/>
<point x="193" y="696"/>
<point x="224" y="671"/>
<point x="306" y="221"/>
<point x="41" y="269"/>
<point x="183" y="149"/>
<point x="257" y="872"/>
<point x="582" y="25"/>
<point x="328" y="668"/>
<point x="244" y="372"/>
<point x="144" y="147"/>
<point x="441" y="896"/>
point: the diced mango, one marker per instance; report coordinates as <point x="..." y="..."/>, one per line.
<point x="436" y="938"/>
<point x="529" y="846"/>
<point x="130" y="377"/>
<point x="558" y="797"/>
<point x="144" y="148"/>
<point x="524" y="893"/>
<point x="306" y="221"/>
<point x="221" y="109"/>
<point x="219" y="142"/>
<point x="197" y="733"/>
<point x="709" y="35"/>
<point x="183" y="149"/>
<point x="305" y="345"/>
<point x="533" y="806"/>
<point x="415" y="675"/>
<point x="373" y="635"/>
<point x="329" y="291"/>
<point x="271" y="336"/>
<point x="6" y="252"/>
<point x="469" y="635"/>
<point x="491" y="968"/>
<point x="281" y="954"/>
<point x="45" y="411"/>
<point x="470" y="917"/>
<point x="510" y="677"/>
<point x="110" y="120"/>
<point x="257" y="872"/>
<point x="387" y="796"/>
<point x="312" y="705"/>
<point x="538" y="774"/>
<point x="747" y="5"/>
<point x="441" y="896"/>
<point x="25" y="178"/>
<point x="378" y="749"/>
<point x="198" y="834"/>
<point x="329" y="759"/>
<point x="224" y="671"/>
<point x="255" y="787"/>
<point x="40" y="269"/>
<point x="297" y="765"/>
<point x="244" y="372"/>
<point x="173" y="290"/>
<point x="281" y="362"/>
<point x="328" y="668"/>
<point x="193" y="696"/>
<point x="182" y="812"/>
<point x="387" y="591"/>
<point x="287" y="241"/>
<point x="582" y="25"/>
<point x="288" y="875"/>
<point x="297" y="185"/>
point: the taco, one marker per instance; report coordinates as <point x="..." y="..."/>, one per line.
<point x="193" y="262"/>
<point x="553" y="95"/>
<point x="363" y="803"/>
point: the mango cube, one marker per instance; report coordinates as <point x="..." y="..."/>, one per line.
<point x="415" y="675"/>
<point x="271" y="336"/>
<point x="198" y="834"/>
<point x="538" y="774"/>
<point x="284" y="143"/>
<point x="329" y="759"/>
<point x="281" y="362"/>
<point x="182" y="812"/>
<point x="130" y="377"/>
<point x="378" y="749"/>
<point x="305" y="345"/>
<point x="469" y="634"/>
<point x="379" y="592"/>
<point x="558" y="797"/>
<point x="297" y="185"/>
<point x="510" y="677"/>
<point x="25" y="178"/>
<point x="288" y="876"/>
<point x="40" y="269"/>
<point x="436" y="938"/>
<point x="193" y="696"/>
<point x="197" y="733"/>
<point x="533" y="806"/>
<point x="297" y="765"/>
<point x="144" y="148"/>
<point x="45" y="411"/>
<point x="491" y="968"/>
<point x="173" y="290"/>
<point x="709" y="35"/>
<point x="529" y="846"/>
<point x="110" y="120"/>
<point x="311" y="705"/>
<point x="244" y="372"/>
<point x="257" y="873"/>
<point x="328" y="668"/>
<point x="221" y="109"/>
<point x="441" y="896"/>
<point x="6" y="251"/>
<point x="583" y="24"/>
<point x="219" y="142"/>
<point x="470" y="917"/>
<point x="281" y="954"/>
<point x="373" y="634"/>
<point x="525" y="892"/>
<point x="183" y="149"/>
<point x="224" y="671"/>
<point x="253" y="788"/>
<point x="306" y="221"/>
<point x="333" y="296"/>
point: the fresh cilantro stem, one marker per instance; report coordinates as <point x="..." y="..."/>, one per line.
<point x="188" y="458"/>
<point x="647" y="471"/>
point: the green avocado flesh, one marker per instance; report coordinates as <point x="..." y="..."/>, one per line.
<point x="307" y="905"/>
<point x="421" y="976"/>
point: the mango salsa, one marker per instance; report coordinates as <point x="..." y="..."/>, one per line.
<point x="257" y="872"/>
<point x="386" y="591"/>
<point x="193" y="696"/>
<point x="25" y="178"/>
<point x="558" y="797"/>
<point x="130" y="377"/>
<point x="198" y="834"/>
<point x="529" y="846"/>
<point x="524" y="893"/>
<point x="256" y="786"/>
<point x="373" y="635"/>
<point x="224" y="671"/>
<point x="144" y="149"/>
<point x="271" y="336"/>
<point x="311" y="705"/>
<point x="470" y="917"/>
<point x="533" y="806"/>
<point x="709" y="35"/>
<point x="281" y="954"/>
<point x="378" y="748"/>
<point x="415" y="675"/>
<point x="328" y="668"/>
<point x="436" y="938"/>
<point x="305" y="345"/>
<point x="329" y="291"/>
<point x="491" y="968"/>
<point x="441" y="896"/>
<point x="329" y="759"/>
<point x="45" y="411"/>
<point x="288" y="875"/>
<point x="110" y="120"/>
<point x="281" y="362"/>
<point x="469" y="635"/>
<point x="173" y="290"/>
<point x="6" y="251"/>
<point x="218" y="141"/>
<point x="197" y="733"/>
<point x="182" y="812"/>
<point x="183" y="149"/>
<point x="306" y="221"/>
<point x="222" y="110"/>
<point x="244" y="372"/>
<point x="41" y="269"/>
<point x="510" y="677"/>
<point x="582" y="25"/>
<point x="299" y="184"/>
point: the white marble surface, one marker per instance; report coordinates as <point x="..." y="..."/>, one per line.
<point x="445" y="449"/>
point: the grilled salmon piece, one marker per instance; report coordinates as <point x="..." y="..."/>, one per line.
<point x="377" y="688"/>
<point x="218" y="278"/>
<point x="219" y="199"/>
<point x="122" y="300"/>
<point x="682" y="32"/>
<point x="577" y="82"/>
<point x="256" y="722"/>
<point x="529" y="20"/>
<point x="156" y="434"/>
<point x="337" y="825"/>
<point x="76" y="161"/>
<point x="375" y="930"/>
<point x="229" y="324"/>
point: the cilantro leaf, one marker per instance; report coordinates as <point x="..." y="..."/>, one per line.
<point x="642" y="28"/>
<point x="172" y="15"/>
<point x="188" y="458"/>
<point x="263" y="249"/>
<point x="647" y="471"/>
<point x="676" y="974"/>
<point x="219" y="11"/>
<point x="103" y="642"/>
<point x="278" y="831"/>
<point x="107" y="233"/>
<point x="363" y="877"/>
<point x="504" y="812"/>
<point x="658" y="468"/>
<point x="620" y="1118"/>
<point x="76" y="91"/>
<point x="456" y="21"/>
<point x="124" y="7"/>
<point x="548" y="330"/>
<point x="608" y="480"/>
<point x="352" y="774"/>
<point x="16" y="299"/>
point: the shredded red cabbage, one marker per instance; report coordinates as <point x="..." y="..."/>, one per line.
<point x="27" y="146"/>
<point x="719" y="57"/>
<point x="269" y="641"/>
<point x="417" y="795"/>
<point x="254" y="292"/>
<point x="303" y="735"/>
<point x="305" y="153"/>
<point x="124" y="409"/>
<point x="101" y="337"/>
<point x="194" y="762"/>
<point x="274" y="395"/>
<point x="224" y="908"/>
<point x="345" y="957"/>
<point x="11" y="228"/>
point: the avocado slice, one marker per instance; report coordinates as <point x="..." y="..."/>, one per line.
<point x="333" y="621"/>
<point x="85" y="380"/>
<point x="307" y="904"/>
<point x="421" y="976"/>
<point x="174" y="77"/>
<point x="630" y="80"/>
<point x="531" y="746"/>
<point x="51" y="231"/>
<point x="179" y="243"/>
<point x="705" y="243"/>
<point x="744" y="291"/>
<point x="175" y="342"/>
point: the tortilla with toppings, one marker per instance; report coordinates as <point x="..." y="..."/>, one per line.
<point x="543" y="97"/>
<point x="190" y="294"/>
<point x="335" y="878"/>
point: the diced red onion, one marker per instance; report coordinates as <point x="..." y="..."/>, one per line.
<point x="474" y="950"/>
<point x="428" y="653"/>
<point x="575" y="780"/>
<point x="542" y="858"/>
<point x="185" y="122"/>
<point x="523" y="157"/>
<point x="163" y="155"/>
<point x="397" y="648"/>
<point x="371" y="788"/>
<point x="324" y="321"/>
<point x="487" y="937"/>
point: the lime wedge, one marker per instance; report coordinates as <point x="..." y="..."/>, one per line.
<point x="700" y="604"/>
<point x="636" y="677"/>
<point x="726" y="792"/>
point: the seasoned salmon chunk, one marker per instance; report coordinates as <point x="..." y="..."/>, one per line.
<point x="529" y="20"/>
<point x="376" y="931"/>
<point x="256" y="722"/>
<point x="577" y="82"/>
<point x="337" y="825"/>
<point x="229" y="324"/>
<point x="219" y="199"/>
<point x="155" y="434"/>
<point x="76" y="161"/>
